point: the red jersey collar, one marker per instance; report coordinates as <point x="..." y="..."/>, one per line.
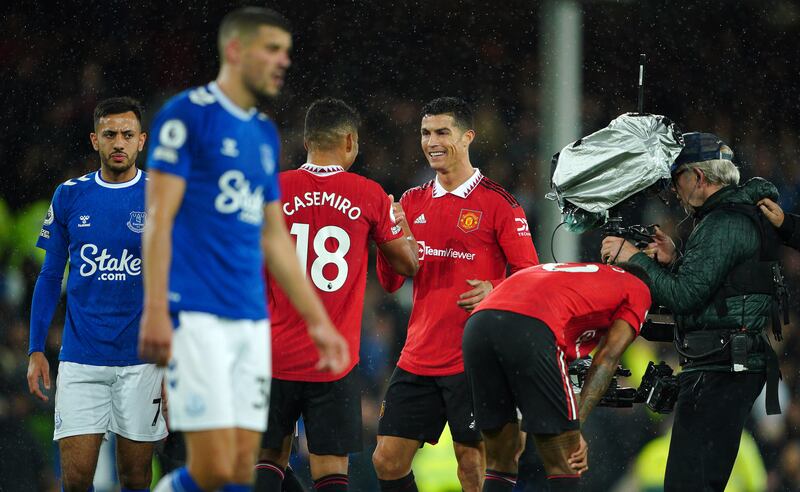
<point x="463" y="190"/>
<point x="321" y="170"/>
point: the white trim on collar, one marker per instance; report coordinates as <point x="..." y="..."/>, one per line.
<point x="229" y="105"/>
<point x="126" y="184"/>
<point x="463" y="190"/>
<point x="321" y="170"/>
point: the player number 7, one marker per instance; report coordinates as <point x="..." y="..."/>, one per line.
<point x="157" y="402"/>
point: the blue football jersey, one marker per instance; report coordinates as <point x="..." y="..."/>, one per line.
<point x="99" y="226"/>
<point x="228" y="158"/>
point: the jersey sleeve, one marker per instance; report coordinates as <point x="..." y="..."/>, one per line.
<point x="174" y="131"/>
<point x="54" y="236"/>
<point x="388" y="278"/>
<point x="514" y="236"/>
<point x="384" y="228"/>
<point x="634" y="307"/>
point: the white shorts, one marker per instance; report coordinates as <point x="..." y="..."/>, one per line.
<point x="219" y="374"/>
<point x="125" y="400"/>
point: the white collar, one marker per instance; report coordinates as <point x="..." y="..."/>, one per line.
<point x="229" y="105"/>
<point x="126" y="184"/>
<point x="463" y="190"/>
<point x="321" y="170"/>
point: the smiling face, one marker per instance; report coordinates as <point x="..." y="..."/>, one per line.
<point x="118" y="138"/>
<point x="445" y="144"/>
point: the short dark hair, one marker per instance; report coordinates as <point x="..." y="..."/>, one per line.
<point x="247" y="20"/>
<point x="118" y="105"/>
<point x="462" y="113"/>
<point x="637" y="271"/>
<point x="326" y="120"/>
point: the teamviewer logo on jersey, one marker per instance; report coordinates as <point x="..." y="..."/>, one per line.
<point x="421" y="250"/>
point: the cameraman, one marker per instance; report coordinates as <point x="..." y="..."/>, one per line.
<point x="721" y="293"/>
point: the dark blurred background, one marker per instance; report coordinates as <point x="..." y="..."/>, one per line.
<point x="727" y="67"/>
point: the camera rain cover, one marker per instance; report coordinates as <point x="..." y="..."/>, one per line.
<point x="603" y="169"/>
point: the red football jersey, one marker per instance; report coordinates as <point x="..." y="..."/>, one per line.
<point x="330" y="214"/>
<point x="472" y="232"/>
<point x="578" y="301"/>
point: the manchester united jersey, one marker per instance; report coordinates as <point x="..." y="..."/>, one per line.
<point x="331" y="214"/>
<point x="472" y="232"/>
<point x="578" y="301"/>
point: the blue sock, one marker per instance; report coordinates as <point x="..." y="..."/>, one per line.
<point x="232" y="487"/>
<point x="182" y="481"/>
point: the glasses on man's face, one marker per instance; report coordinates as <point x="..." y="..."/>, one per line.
<point x="675" y="178"/>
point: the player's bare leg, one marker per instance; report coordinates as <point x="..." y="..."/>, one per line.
<point x="471" y="459"/>
<point x="392" y="460"/>
<point x="78" y="461"/>
<point x="502" y="448"/>
<point x="247" y="443"/>
<point x="555" y="451"/>
<point x="134" y="463"/>
<point x="329" y="464"/>
<point x="211" y="456"/>
<point x="278" y="456"/>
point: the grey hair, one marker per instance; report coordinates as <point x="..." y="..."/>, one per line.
<point x="717" y="171"/>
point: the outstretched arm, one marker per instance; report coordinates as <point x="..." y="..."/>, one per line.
<point x="401" y="253"/>
<point x="604" y="365"/>
<point x="164" y="197"/>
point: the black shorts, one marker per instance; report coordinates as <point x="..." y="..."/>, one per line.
<point x="331" y="414"/>
<point x="512" y="361"/>
<point x="417" y="407"/>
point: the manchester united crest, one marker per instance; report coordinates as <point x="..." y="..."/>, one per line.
<point x="469" y="220"/>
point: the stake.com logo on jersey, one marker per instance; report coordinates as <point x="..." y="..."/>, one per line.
<point x="425" y="250"/>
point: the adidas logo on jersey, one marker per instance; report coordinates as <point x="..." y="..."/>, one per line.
<point x="420" y="220"/>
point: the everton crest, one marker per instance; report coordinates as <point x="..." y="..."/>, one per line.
<point x="136" y="221"/>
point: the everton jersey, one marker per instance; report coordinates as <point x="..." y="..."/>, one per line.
<point x="578" y="301"/>
<point x="228" y="158"/>
<point x="99" y="226"/>
<point x="331" y="215"/>
<point x="473" y="232"/>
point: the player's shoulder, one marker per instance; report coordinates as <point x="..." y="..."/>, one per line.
<point x="419" y="192"/>
<point x="266" y="123"/>
<point x="67" y="192"/>
<point x="495" y="191"/>
<point x="363" y="182"/>
<point x="77" y="183"/>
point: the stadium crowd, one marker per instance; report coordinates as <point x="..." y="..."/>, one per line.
<point x="732" y="76"/>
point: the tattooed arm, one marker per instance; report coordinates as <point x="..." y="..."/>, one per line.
<point x="604" y="365"/>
